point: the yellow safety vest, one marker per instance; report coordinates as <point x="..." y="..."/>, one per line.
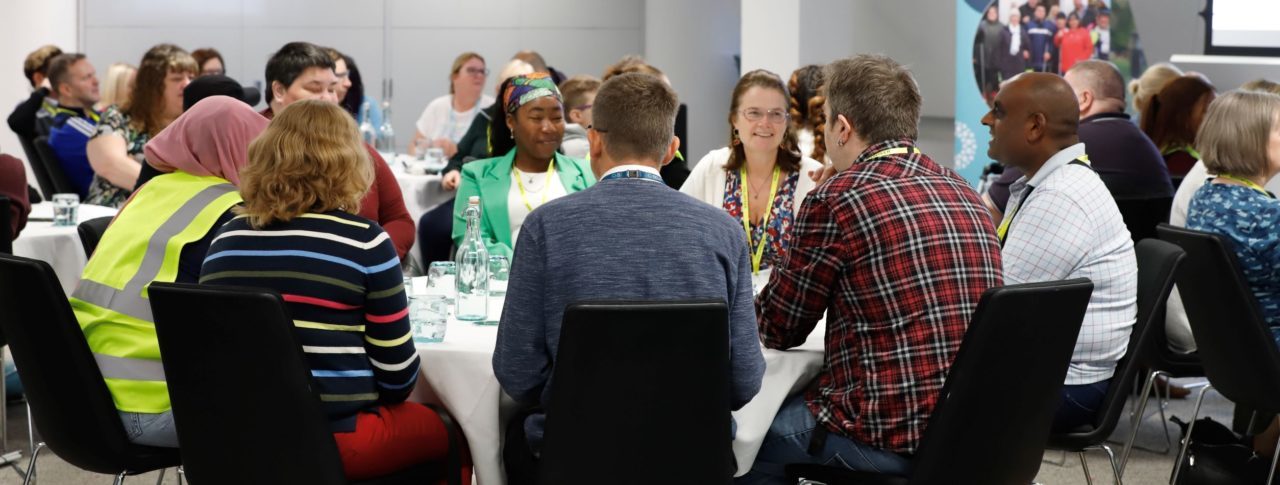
<point x="143" y="244"/>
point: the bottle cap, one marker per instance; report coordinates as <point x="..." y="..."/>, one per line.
<point x="474" y="200"/>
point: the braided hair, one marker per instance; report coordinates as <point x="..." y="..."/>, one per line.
<point x="806" y="106"/>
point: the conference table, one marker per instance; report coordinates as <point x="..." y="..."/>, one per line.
<point x="458" y="374"/>
<point x="57" y="245"/>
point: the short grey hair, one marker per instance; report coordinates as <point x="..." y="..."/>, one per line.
<point x="875" y="93"/>
<point x="1100" y="77"/>
<point x="636" y="115"/>
<point x="1236" y="130"/>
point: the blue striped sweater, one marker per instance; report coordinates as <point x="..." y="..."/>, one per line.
<point x="340" y="277"/>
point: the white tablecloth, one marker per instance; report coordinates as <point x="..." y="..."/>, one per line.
<point x="458" y="373"/>
<point x="58" y="246"/>
<point x="421" y="194"/>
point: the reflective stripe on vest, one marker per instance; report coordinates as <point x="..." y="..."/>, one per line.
<point x="118" y="322"/>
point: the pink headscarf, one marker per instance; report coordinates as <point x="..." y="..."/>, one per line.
<point x="210" y="139"/>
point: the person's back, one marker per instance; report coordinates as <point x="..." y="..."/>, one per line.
<point x="1124" y="158"/>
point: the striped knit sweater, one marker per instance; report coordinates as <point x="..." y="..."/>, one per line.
<point x="340" y="276"/>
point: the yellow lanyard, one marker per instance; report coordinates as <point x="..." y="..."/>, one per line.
<point x="1247" y="183"/>
<point x="746" y="215"/>
<point x="551" y="170"/>
<point x="1003" y="230"/>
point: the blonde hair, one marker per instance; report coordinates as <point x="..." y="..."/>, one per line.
<point x="458" y="62"/>
<point x="515" y="67"/>
<point x="1151" y="82"/>
<point x="115" y="85"/>
<point x="1236" y="130"/>
<point x="1262" y="86"/>
<point x="309" y="159"/>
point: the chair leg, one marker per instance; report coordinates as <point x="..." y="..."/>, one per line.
<point x="1186" y="440"/>
<point x="1084" y="463"/>
<point x="1115" y="468"/>
<point x="31" y="465"/>
<point x="1133" y="433"/>
<point x="1271" y="475"/>
<point x="181" y="474"/>
<point x="119" y="479"/>
<point x="160" y="480"/>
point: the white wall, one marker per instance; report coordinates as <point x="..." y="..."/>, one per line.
<point x="694" y="43"/>
<point x="771" y="35"/>
<point x="411" y="41"/>
<point x="29" y="25"/>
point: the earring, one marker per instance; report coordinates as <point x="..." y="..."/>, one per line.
<point x="736" y="141"/>
<point x="840" y="143"/>
<point x="513" y="136"/>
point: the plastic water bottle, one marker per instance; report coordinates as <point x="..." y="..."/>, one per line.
<point x="367" y="133"/>
<point x="473" y="269"/>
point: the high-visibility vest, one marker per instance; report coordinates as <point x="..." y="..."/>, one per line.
<point x="143" y="244"/>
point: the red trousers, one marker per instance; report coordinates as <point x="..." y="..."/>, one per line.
<point x="397" y="437"/>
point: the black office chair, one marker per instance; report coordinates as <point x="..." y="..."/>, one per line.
<point x="244" y="407"/>
<point x="993" y="417"/>
<point x="1157" y="261"/>
<point x="37" y="167"/>
<point x="1238" y="350"/>
<point x="91" y="232"/>
<point x="1142" y="214"/>
<point x="622" y="389"/>
<point x="70" y="403"/>
<point x="6" y="226"/>
<point x="53" y="167"/>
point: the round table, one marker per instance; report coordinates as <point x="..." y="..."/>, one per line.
<point x="421" y="193"/>
<point x="458" y="373"/>
<point x="57" y="245"/>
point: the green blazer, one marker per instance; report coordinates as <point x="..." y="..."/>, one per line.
<point x="491" y="180"/>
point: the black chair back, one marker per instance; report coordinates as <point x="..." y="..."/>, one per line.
<point x="6" y="226"/>
<point x="53" y="167"/>
<point x="219" y="345"/>
<point x="1157" y="262"/>
<point x="622" y="388"/>
<point x="1235" y="345"/>
<point x="1142" y="214"/>
<point x="992" y="421"/>
<point x="37" y="167"/>
<point x="70" y="403"/>
<point x="91" y="232"/>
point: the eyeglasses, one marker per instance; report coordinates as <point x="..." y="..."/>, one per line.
<point x="582" y="107"/>
<point x="776" y="116"/>
<point x="476" y="72"/>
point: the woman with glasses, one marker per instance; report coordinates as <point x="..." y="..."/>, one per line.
<point x="760" y="178"/>
<point x="447" y="118"/>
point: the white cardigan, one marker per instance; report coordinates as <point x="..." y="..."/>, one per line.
<point x="706" y="180"/>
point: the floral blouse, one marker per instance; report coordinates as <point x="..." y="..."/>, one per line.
<point x="778" y="229"/>
<point x="1251" y="220"/>
<point x="102" y="192"/>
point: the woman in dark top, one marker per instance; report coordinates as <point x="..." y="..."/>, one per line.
<point x="1172" y="118"/>
<point x="340" y="276"/>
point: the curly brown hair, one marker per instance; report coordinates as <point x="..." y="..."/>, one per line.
<point x="806" y="106"/>
<point x="145" y="107"/>
<point x="309" y="159"/>
<point x="788" y="153"/>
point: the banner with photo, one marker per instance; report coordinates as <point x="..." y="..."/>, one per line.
<point x="998" y="39"/>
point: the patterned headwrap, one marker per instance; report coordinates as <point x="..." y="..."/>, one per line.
<point x="524" y="89"/>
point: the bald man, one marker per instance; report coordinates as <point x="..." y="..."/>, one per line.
<point x="1061" y="223"/>
<point x="1122" y="155"/>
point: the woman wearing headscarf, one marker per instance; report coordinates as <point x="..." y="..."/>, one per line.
<point x="161" y="234"/>
<point x="529" y="175"/>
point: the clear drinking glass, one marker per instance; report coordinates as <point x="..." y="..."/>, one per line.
<point x="499" y="273"/>
<point x="440" y="279"/>
<point x="429" y="317"/>
<point x="66" y="208"/>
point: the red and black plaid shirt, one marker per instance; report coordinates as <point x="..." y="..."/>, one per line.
<point x="897" y="250"/>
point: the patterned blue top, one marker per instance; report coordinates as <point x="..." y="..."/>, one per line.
<point x="1249" y="219"/>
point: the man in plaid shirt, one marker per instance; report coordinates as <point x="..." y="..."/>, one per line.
<point x="897" y="251"/>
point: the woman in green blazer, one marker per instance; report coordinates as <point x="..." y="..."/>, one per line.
<point x="532" y="173"/>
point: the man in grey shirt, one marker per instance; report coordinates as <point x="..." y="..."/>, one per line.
<point x="629" y="237"/>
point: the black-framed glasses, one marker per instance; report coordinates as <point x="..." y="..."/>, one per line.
<point x="476" y="72"/>
<point x="776" y="116"/>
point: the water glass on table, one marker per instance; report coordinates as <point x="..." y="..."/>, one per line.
<point x="66" y="209"/>
<point x="441" y="279"/>
<point x="429" y="317"/>
<point x="499" y="273"/>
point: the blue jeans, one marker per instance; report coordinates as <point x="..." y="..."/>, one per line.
<point x="150" y="429"/>
<point x="1080" y="405"/>
<point x="788" y="442"/>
